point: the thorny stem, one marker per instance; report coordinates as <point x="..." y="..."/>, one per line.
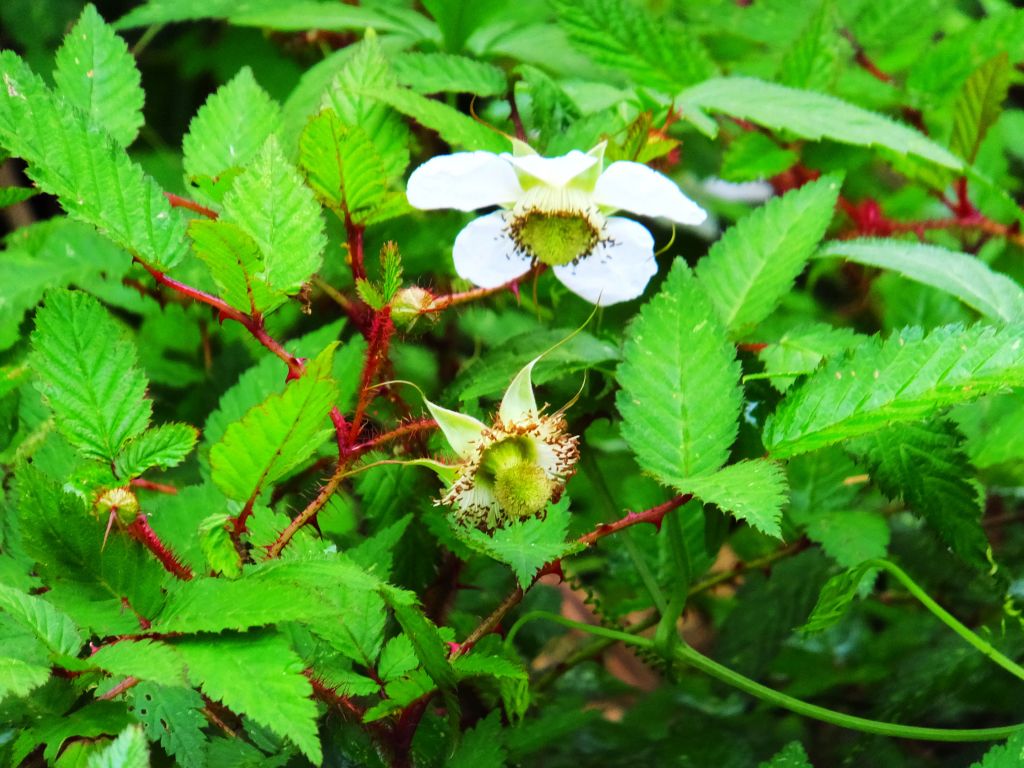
<point x="252" y="323"/>
<point x="654" y="516"/>
<point x="307" y="514"/>
<point x="140" y="530"/>
<point x="441" y="303"/>
<point x="397" y="433"/>
<point x="381" y="332"/>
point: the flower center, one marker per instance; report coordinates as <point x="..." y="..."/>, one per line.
<point x="523" y="489"/>
<point x="554" y="238"/>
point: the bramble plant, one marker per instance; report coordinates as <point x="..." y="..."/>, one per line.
<point x="707" y="316"/>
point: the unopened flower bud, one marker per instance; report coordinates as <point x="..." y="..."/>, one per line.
<point x="121" y="502"/>
<point x="409" y="304"/>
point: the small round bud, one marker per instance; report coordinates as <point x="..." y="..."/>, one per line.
<point x="122" y="502"/>
<point x="408" y="304"/>
<point x="523" y="489"/>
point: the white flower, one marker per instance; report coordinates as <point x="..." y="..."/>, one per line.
<point x="508" y="471"/>
<point x="555" y="210"/>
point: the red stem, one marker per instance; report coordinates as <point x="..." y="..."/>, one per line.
<point x="183" y="202"/>
<point x="395" y="434"/>
<point x="140" y="530"/>
<point x="149" y="485"/>
<point x="377" y="350"/>
<point x="252" y="323"/>
<point x="355" y="247"/>
<point x="441" y="303"/>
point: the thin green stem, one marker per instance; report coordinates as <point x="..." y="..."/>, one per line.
<point x="687" y="655"/>
<point x="948" y="619"/>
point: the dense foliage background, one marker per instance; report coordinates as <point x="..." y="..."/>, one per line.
<point x="213" y="548"/>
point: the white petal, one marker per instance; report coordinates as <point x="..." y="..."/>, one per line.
<point x="619" y="268"/>
<point x="635" y="187"/>
<point x="554" y="171"/>
<point x="464" y="181"/>
<point x="485" y="255"/>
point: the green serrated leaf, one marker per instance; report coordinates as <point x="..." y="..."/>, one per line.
<point x="751" y="491"/>
<point x="1006" y="755"/>
<point x="447" y="73"/>
<point x="811" y="62"/>
<point x="230" y="129"/>
<point x="218" y="548"/>
<point x="979" y="106"/>
<point x="791" y="756"/>
<point x="56" y="630"/>
<point x="812" y="115"/>
<point x="749" y="270"/>
<point x="968" y="278"/>
<point x="129" y="750"/>
<point x="352" y="96"/>
<point x="397" y="658"/>
<point x="259" y="676"/>
<point x="87" y="371"/>
<point x="277" y="435"/>
<point x="452" y="126"/>
<point x="51" y="254"/>
<point x="19" y="678"/>
<point x="850" y="537"/>
<point x="14" y="195"/>
<point x="904" y="378"/>
<point x="922" y="463"/>
<point x="162" y="446"/>
<point x="272" y="205"/>
<point x="529" y="544"/>
<point x="752" y="156"/>
<point x="801" y="349"/>
<point x="173" y="716"/>
<point x="659" y="53"/>
<point x="269" y="593"/>
<point x="836" y="598"/>
<point x="680" y="398"/>
<point x="342" y="166"/>
<point x="96" y="73"/>
<point x="482" y="746"/>
<point x="236" y="265"/>
<point x="94" y="179"/>
<point x="145" y="659"/>
<point x="429" y="646"/>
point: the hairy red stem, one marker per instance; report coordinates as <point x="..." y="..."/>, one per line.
<point x="381" y="332"/>
<point x="140" y="530"/>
